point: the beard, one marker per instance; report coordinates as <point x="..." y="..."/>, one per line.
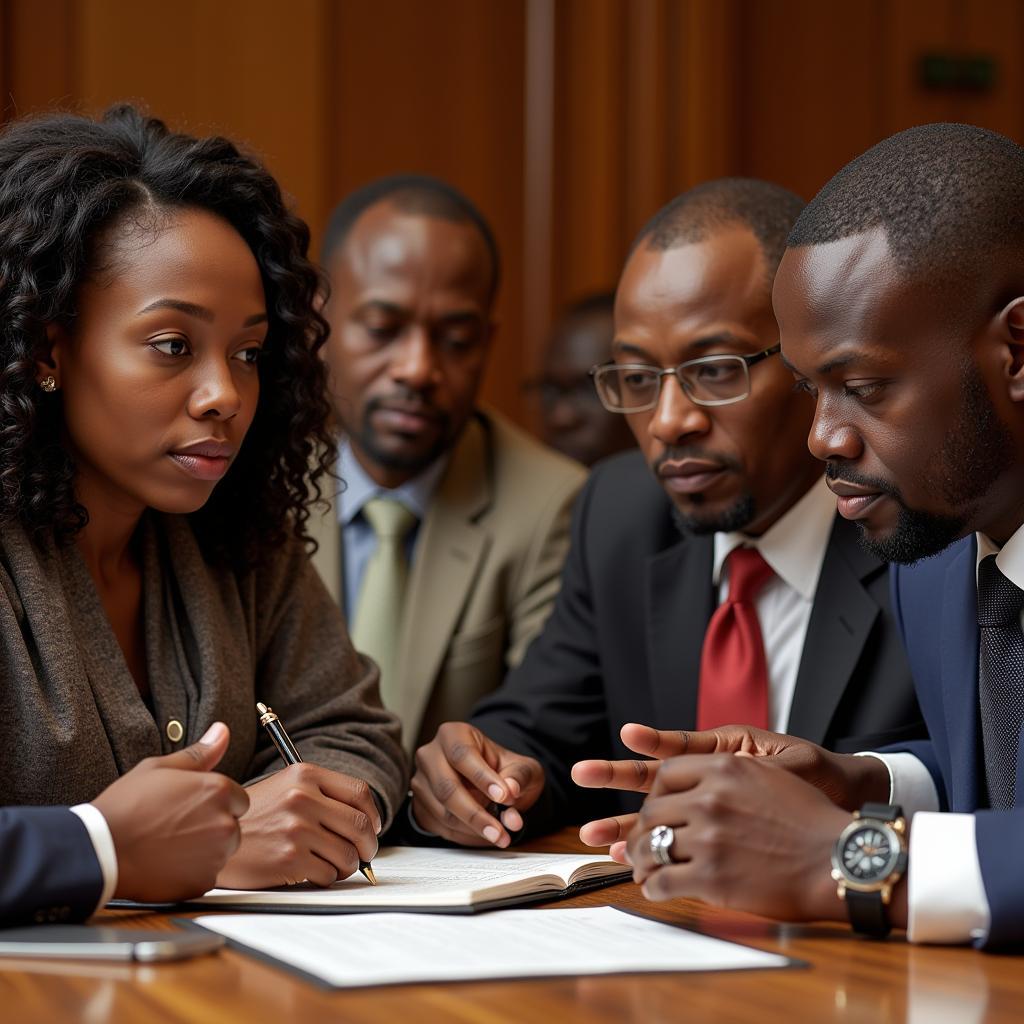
<point x="975" y="452"/>
<point x="412" y="460"/>
<point x="916" y="534"/>
<point x="738" y="515"/>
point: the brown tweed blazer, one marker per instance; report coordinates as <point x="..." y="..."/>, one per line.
<point x="72" y="719"/>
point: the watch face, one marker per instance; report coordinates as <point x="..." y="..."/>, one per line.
<point x="869" y="853"/>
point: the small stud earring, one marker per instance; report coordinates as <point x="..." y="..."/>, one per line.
<point x="49" y="384"/>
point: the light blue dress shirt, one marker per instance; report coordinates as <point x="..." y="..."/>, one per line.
<point x="358" y="539"/>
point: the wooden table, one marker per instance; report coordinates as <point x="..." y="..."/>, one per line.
<point x="848" y="980"/>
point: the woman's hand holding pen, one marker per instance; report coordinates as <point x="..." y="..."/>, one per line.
<point x="304" y="823"/>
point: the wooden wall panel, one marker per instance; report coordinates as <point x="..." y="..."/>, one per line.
<point x="995" y="27"/>
<point x="704" y="128"/>
<point x="234" y="66"/>
<point x="590" y="163"/>
<point x="568" y="121"/>
<point x="822" y="82"/>
<point x="913" y="28"/>
<point x="38" y="56"/>
<point x="538" y="177"/>
<point x="649" y="97"/>
<point x="646" y="106"/>
<point x="438" y="88"/>
<point x="811" y="88"/>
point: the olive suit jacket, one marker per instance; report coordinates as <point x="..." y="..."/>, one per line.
<point x="485" y="570"/>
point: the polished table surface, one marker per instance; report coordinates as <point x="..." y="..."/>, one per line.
<point x="847" y="979"/>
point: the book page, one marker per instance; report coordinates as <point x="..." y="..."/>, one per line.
<point x="386" y="949"/>
<point x="420" y="877"/>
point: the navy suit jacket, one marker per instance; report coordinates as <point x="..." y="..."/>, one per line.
<point x="48" y="867"/>
<point x="935" y="605"/>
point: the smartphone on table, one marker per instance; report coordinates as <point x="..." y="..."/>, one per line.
<point x="104" y="942"/>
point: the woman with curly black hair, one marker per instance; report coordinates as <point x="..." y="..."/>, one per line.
<point x="161" y="404"/>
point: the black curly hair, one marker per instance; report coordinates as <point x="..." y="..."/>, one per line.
<point x="66" y="180"/>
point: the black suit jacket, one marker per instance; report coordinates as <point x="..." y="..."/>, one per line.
<point x="623" y="644"/>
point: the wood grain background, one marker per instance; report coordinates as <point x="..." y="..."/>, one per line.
<point x="568" y="121"/>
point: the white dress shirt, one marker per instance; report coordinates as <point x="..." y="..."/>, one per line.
<point x="795" y="549"/>
<point x="946" y="894"/>
<point x="103" y="843"/>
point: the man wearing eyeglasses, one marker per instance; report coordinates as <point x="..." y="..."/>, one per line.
<point x="709" y="580"/>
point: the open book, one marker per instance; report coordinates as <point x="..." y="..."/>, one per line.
<point x="440" y="881"/>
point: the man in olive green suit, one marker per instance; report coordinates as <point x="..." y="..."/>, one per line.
<point x="446" y="543"/>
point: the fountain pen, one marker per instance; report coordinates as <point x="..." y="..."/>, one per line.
<point x="290" y="755"/>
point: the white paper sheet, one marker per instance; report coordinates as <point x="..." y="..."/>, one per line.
<point x="348" y="951"/>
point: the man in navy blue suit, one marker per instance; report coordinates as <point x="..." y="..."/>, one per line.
<point x="901" y="306"/>
<point x="161" y="832"/>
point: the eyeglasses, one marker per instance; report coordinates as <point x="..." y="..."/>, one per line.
<point x="710" y="380"/>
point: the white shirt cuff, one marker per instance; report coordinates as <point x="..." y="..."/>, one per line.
<point x="103" y="843"/>
<point x="946" y="895"/>
<point x="910" y="783"/>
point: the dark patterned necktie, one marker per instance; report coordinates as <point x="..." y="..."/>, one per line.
<point x="1001" y="679"/>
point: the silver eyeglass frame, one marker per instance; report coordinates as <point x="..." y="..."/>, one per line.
<point x="597" y="372"/>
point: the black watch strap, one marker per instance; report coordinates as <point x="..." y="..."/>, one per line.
<point x="868" y="914"/>
<point x="885" y="812"/>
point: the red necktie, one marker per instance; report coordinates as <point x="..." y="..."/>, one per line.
<point x="733" y="668"/>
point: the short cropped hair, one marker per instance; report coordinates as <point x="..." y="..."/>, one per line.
<point x="767" y="210"/>
<point x="948" y="196"/>
<point x="410" y="193"/>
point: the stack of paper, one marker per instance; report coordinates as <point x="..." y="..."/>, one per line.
<point x="387" y="949"/>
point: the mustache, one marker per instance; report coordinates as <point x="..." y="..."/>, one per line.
<point x="836" y="471"/>
<point x="412" y="401"/>
<point x="676" y="453"/>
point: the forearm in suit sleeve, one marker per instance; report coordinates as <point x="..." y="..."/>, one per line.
<point x="552" y="706"/>
<point x="49" y="870"/>
<point x="999" y="835"/>
<point x="1000" y="839"/>
<point x="923" y="750"/>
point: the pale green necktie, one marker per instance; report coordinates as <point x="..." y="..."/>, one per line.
<point x="378" y="617"/>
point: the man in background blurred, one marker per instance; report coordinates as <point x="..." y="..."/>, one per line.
<point x="448" y="538"/>
<point x="573" y="421"/>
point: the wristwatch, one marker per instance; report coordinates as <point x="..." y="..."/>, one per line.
<point x="869" y="858"/>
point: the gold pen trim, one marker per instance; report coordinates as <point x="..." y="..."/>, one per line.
<point x="266" y="714"/>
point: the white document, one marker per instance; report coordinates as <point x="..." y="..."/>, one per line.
<point x="349" y="951"/>
<point x="415" y="878"/>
